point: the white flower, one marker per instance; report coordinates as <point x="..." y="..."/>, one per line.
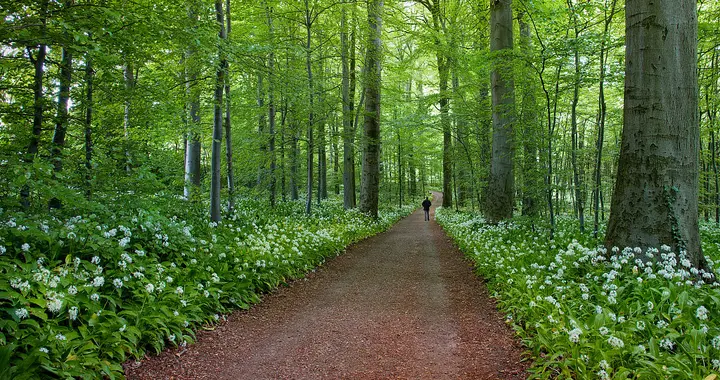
<point x="172" y="337"/>
<point x="21" y="313"/>
<point x="598" y="309"/>
<point x="640" y="325"/>
<point x="72" y="290"/>
<point x="616" y="342"/>
<point x="98" y="281"/>
<point x="650" y="305"/>
<point x="95" y="297"/>
<point x="716" y="364"/>
<point x="667" y="344"/>
<point x="176" y="313"/>
<point x="604" y="364"/>
<point x="2" y="250"/>
<point x="43" y="349"/>
<point x="701" y="313"/>
<point x="95" y="260"/>
<point x="716" y="342"/>
<point x="122" y="329"/>
<point x="73" y="313"/>
<point x="661" y="324"/>
<point x="179" y="290"/>
<point x="603" y="375"/>
<point x="60" y="337"/>
<point x="149" y="287"/>
<point x="574" y="335"/>
<point x="25" y="247"/>
<point x="206" y="293"/>
<point x="603" y="330"/>
<point x="216" y="316"/>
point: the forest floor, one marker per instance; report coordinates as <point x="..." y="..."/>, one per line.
<point x="402" y="304"/>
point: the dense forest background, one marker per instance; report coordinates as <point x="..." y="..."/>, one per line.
<point x="121" y="96"/>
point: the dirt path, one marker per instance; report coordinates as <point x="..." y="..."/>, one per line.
<point x="403" y="304"/>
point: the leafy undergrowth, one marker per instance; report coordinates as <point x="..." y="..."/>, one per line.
<point x="78" y="295"/>
<point x="587" y="313"/>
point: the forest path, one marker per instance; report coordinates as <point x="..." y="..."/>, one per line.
<point x="402" y="304"/>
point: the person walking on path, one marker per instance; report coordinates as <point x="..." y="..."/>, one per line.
<point x="426" y="206"/>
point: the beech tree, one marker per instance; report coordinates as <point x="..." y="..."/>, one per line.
<point x="501" y="187"/>
<point x="655" y="201"/>
<point x="370" y="184"/>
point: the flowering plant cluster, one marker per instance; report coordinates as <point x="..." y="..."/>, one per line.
<point x="80" y="294"/>
<point x="586" y="312"/>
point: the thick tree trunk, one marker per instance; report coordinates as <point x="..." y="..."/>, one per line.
<point x="655" y="201"/>
<point x="501" y="186"/>
<point x="228" y="129"/>
<point x="216" y="162"/>
<point x="370" y="183"/>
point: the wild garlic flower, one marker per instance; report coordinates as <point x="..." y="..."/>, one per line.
<point x="73" y="313"/>
<point x="603" y="330"/>
<point x="21" y="313"/>
<point x="574" y="335"/>
<point x="615" y="342"/>
<point x="701" y="313"/>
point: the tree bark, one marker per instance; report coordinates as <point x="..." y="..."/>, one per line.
<point x="271" y="105"/>
<point x="89" y="76"/>
<point x="577" y="177"/>
<point x="311" y="112"/>
<point x="655" y="200"/>
<point x="501" y="186"/>
<point x="216" y="161"/>
<point x="228" y="129"/>
<point x="193" y="147"/>
<point x="370" y="183"/>
<point x="348" y="99"/>
<point x="38" y="100"/>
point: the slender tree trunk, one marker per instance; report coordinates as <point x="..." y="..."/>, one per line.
<point x="61" y="122"/>
<point x="577" y="178"/>
<point x="311" y="114"/>
<point x="128" y="73"/>
<point x="655" y="201"/>
<point x="370" y="184"/>
<point x="501" y="186"/>
<point x="348" y="99"/>
<point x="529" y="125"/>
<point x="89" y="76"/>
<point x="215" y="182"/>
<point x="271" y="106"/>
<point x="322" y="138"/>
<point x="602" y="108"/>
<point x="294" y="164"/>
<point x="38" y="100"/>
<point x="262" y="123"/>
<point x="228" y="129"/>
<point x="193" y="147"/>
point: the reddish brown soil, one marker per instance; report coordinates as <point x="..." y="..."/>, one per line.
<point x="404" y="304"/>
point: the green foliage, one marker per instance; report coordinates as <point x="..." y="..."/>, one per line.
<point x="588" y="313"/>
<point x="79" y="295"/>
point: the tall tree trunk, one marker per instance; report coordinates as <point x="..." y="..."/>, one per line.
<point x="311" y="113"/>
<point x="216" y="162"/>
<point x="348" y="99"/>
<point x="370" y="183"/>
<point x="602" y="111"/>
<point x="322" y="137"/>
<point x="501" y="187"/>
<point x="38" y="99"/>
<point x="193" y="147"/>
<point x="271" y="105"/>
<point x="129" y="76"/>
<point x="294" y="164"/>
<point x="89" y="76"/>
<point x="61" y="122"/>
<point x="577" y="178"/>
<point x="655" y="201"/>
<point x="228" y="129"/>
<point x="529" y="125"/>
<point x="262" y="123"/>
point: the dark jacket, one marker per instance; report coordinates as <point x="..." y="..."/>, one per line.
<point x="426" y="204"/>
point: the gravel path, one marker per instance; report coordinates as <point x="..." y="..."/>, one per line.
<point x="403" y="304"/>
